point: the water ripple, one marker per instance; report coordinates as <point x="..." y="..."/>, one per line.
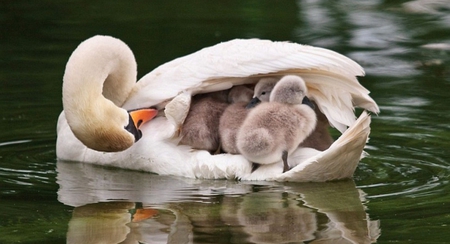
<point x="25" y="165"/>
<point x="13" y="142"/>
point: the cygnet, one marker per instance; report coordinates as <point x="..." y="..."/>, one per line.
<point x="233" y="116"/>
<point x="273" y="130"/>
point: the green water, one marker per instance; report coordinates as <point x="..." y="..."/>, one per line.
<point x="400" y="190"/>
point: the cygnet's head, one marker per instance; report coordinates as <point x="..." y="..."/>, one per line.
<point x="290" y="89"/>
<point x="240" y="94"/>
<point x="264" y="87"/>
<point x="262" y="90"/>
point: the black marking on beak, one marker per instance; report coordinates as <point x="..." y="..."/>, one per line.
<point x="308" y="102"/>
<point x="255" y="101"/>
<point x="133" y="130"/>
<point x="139" y="123"/>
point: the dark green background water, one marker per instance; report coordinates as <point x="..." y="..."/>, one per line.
<point x="405" y="180"/>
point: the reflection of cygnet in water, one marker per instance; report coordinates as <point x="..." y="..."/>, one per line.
<point x="268" y="219"/>
<point x="273" y="130"/>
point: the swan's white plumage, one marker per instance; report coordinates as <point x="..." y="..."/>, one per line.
<point x="236" y="61"/>
<point x="331" y="81"/>
<point x="159" y="155"/>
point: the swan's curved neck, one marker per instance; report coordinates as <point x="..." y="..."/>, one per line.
<point x="105" y="66"/>
<point x="99" y="76"/>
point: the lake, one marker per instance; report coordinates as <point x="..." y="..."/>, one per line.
<point x="399" y="194"/>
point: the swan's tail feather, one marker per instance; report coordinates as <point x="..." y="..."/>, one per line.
<point x="360" y="129"/>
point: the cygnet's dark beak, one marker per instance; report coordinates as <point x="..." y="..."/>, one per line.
<point x="137" y="118"/>
<point x="308" y="102"/>
<point x="255" y="101"/>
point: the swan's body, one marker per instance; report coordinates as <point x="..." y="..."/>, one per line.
<point x="329" y="76"/>
<point x="273" y="130"/>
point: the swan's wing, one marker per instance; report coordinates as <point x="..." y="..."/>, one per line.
<point x="337" y="162"/>
<point x="330" y="76"/>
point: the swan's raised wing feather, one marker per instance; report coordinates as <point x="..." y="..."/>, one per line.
<point x="237" y="61"/>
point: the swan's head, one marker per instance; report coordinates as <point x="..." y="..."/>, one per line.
<point x="98" y="78"/>
<point x="108" y="128"/>
<point x="290" y="89"/>
<point x="262" y="91"/>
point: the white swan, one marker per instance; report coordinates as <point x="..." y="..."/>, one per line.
<point x="329" y="76"/>
<point x="94" y="88"/>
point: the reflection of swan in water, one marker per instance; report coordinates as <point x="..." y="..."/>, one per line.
<point x="197" y="210"/>
<point x="341" y="203"/>
<point x="293" y="216"/>
<point x="107" y="219"/>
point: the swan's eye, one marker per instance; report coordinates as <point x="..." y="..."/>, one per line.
<point x="263" y="93"/>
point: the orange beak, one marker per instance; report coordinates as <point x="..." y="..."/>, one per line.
<point x="143" y="214"/>
<point x="141" y="116"/>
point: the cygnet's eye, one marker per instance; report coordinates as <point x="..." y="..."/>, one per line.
<point x="263" y="93"/>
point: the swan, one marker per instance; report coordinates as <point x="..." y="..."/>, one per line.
<point x="273" y="130"/>
<point x="92" y="99"/>
<point x="331" y="79"/>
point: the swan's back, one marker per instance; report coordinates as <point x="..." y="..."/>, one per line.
<point x="329" y="76"/>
